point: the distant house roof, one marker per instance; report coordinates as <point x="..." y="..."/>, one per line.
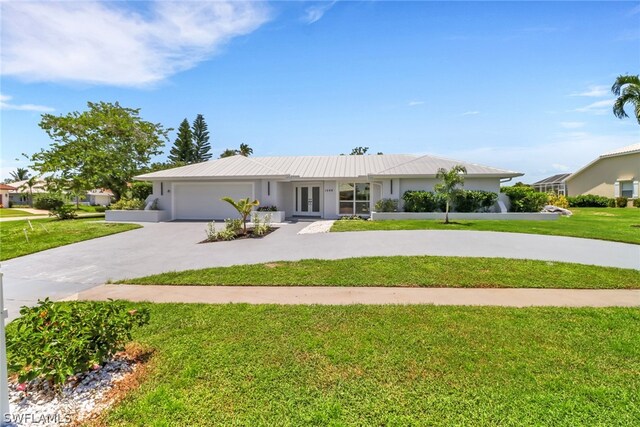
<point x="6" y="187"/>
<point x="322" y="167"/>
<point x="555" y="179"/>
<point x="22" y="187"/>
<point x="99" y="192"/>
<point x="623" y="151"/>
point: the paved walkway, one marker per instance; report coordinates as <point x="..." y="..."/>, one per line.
<point x="327" y="295"/>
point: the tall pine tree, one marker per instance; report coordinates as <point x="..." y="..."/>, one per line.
<point x="200" y="140"/>
<point x="183" y="149"/>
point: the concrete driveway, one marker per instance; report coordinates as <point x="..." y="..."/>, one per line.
<point x="156" y="248"/>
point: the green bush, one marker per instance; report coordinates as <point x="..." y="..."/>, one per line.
<point x="352" y="218"/>
<point x="267" y="209"/>
<point x="141" y="190"/>
<point x="48" y="203"/>
<point x="261" y="227"/>
<point x="423" y="201"/>
<point x="234" y="225"/>
<point x="128" y="205"/>
<point x="558" y="200"/>
<point x="386" y="205"/>
<point x="525" y="199"/>
<point x="64" y="212"/>
<point x="474" y="201"/>
<point x="53" y="341"/>
<point x="589" y="201"/>
<point x="100" y="208"/>
<point x="621" y="202"/>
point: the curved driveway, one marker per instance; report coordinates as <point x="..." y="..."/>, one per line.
<point x="163" y="247"/>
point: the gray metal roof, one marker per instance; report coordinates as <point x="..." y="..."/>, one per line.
<point x="555" y="179"/>
<point x="322" y="167"/>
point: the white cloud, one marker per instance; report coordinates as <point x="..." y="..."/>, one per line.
<point x="598" y="107"/>
<point x="415" y="103"/>
<point x="111" y="43"/>
<point x="6" y="105"/>
<point x="471" y="113"/>
<point x="596" y="91"/>
<point x="315" y="13"/>
<point x="559" y="167"/>
<point x="572" y="125"/>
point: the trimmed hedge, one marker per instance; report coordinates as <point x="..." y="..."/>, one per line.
<point x="590" y="201"/>
<point x="48" y="203"/>
<point x="465" y="201"/>
<point x="525" y="199"/>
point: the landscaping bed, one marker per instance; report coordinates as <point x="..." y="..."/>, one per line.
<point x="413" y="271"/>
<point x="239" y="235"/>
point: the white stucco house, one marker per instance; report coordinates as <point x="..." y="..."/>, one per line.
<point x="316" y="186"/>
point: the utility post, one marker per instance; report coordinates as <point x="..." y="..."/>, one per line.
<point x="4" y="389"/>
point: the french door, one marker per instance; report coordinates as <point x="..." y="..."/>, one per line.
<point x="307" y="199"/>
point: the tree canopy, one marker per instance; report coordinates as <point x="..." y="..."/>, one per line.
<point x="451" y="179"/>
<point x="103" y="147"/>
<point x="200" y="133"/>
<point x="627" y="89"/>
<point x="244" y="150"/>
<point x="183" y="150"/>
<point x="20" y="174"/>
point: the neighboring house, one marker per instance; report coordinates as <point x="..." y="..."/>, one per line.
<point x="4" y="195"/>
<point x="20" y="195"/>
<point x="554" y="184"/>
<point x="99" y="197"/>
<point x="613" y="174"/>
<point x="317" y="186"/>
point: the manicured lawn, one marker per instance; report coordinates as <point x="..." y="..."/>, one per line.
<point x="50" y="233"/>
<point x="617" y="224"/>
<point x="6" y="212"/>
<point x="426" y="271"/>
<point x="386" y="365"/>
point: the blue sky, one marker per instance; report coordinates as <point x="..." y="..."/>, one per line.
<point x="517" y="85"/>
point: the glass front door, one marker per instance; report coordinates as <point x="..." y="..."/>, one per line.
<point x="307" y="200"/>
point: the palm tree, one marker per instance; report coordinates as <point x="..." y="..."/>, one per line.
<point x="449" y="186"/>
<point x="245" y="150"/>
<point x="228" y="153"/>
<point x="20" y="174"/>
<point x="627" y="89"/>
<point x="244" y="208"/>
<point x="31" y="182"/>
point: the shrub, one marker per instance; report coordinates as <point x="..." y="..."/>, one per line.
<point x="64" y="212"/>
<point x="621" y="202"/>
<point x="261" y="227"/>
<point x="141" y="190"/>
<point x="386" y="205"/>
<point x="525" y="199"/>
<point x="589" y="201"/>
<point x="128" y="205"/>
<point x="53" y="341"/>
<point x="234" y="225"/>
<point x="100" y="208"/>
<point x="352" y="218"/>
<point x="423" y="201"/>
<point x="558" y="200"/>
<point x="268" y="209"/>
<point x="474" y="201"/>
<point x="48" y="203"/>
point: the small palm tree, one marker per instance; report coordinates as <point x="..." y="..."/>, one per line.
<point x="28" y="185"/>
<point x="244" y="208"/>
<point x="449" y="186"/>
<point x="245" y="150"/>
<point x="20" y="174"/>
<point x="627" y="89"/>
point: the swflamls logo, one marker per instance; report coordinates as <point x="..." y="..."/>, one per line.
<point x="37" y="418"/>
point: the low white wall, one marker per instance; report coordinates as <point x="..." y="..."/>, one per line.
<point x="532" y="216"/>
<point x="137" y="216"/>
<point x="276" y="216"/>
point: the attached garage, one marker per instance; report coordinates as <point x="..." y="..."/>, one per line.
<point x="201" y="200"/>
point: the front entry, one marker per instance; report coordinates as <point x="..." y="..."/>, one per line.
<point x="307" y="199"/>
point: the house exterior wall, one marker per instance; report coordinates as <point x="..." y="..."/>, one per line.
<point x="600" y="177"/>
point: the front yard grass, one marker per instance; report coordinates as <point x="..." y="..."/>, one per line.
<point x="268" y="365"/>
<point x="616" y="224"/>
<point x="6" y="212"/>
<point x="419" y="271"/>
<point x="51" y="233"/>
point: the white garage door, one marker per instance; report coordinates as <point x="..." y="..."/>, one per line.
<point x="202" y="200"/>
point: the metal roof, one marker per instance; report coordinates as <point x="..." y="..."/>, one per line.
<point x="555" y="179"/>
<point x="624" y="150"/>
<point x="321" y="167"/>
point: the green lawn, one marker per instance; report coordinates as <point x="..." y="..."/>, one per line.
<point x="6" y="212"/>
<point x="426" y="271"/>
<point x="617" y="224"/>
<point x="386" y="365"/>
<point x="50" y="233"/>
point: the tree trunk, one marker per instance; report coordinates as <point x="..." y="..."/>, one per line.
<point x="446" y="214"/>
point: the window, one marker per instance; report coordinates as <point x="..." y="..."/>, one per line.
<point x="626" y="189"/>
<point x="354" y="198"/>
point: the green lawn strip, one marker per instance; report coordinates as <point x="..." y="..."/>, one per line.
<point x="263" y="365"/>
<point x="51" y="233"/>
<point x="616" y="224"/>
<point x="6" y="213"/>
<point x="419" y="271"/>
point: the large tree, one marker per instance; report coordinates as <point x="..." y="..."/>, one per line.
<point x="103" y="147"/>
<point x="451" y="179"/>
<point x="183" y="150"/>
<point x="627" y="89"/>
<point x="20" y="174"/>
<point x="201" y="144"/>
<point x="245" y="150"/>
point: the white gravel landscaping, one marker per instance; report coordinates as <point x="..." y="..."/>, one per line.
<point x="81" y="397"/>
<point x="317" y="227"/>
